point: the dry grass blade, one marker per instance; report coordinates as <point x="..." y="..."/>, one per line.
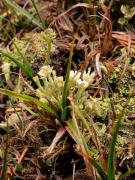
<point x="98" y="67"/>
<point x="84" y="5"/>
<point x="56" y="139"/>
<point x="106" y="25"/>
<point x="65" y="23"/>
<point x="123" y="38"/>
<point x="70" y="132"/>
<point x="108" y="36"/>
<point x="21" y="157"/>
<point x="29" y="127"/>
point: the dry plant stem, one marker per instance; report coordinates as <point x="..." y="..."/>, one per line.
<point x="28" y="85"/>
<point x="21" y="158"/>
<point x="26" y="3"/>
<point x="90" y="170"/>
<point x="92" y="24"/>
<point x="98" y="68"/>
<point x="123" y="38"/>
<point x="88" y="58"/>
<point x="106" y="11"/>
<point x="13" y="110"/>
<point x="74" y="171"/>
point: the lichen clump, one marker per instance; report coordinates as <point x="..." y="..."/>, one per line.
<point x="34" y="46"/>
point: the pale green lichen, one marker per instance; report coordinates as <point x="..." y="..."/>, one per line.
<point x="6" y="66"/>
<point x="35" y="45"/>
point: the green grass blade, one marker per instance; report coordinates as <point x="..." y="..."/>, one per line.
<point x="29" y="99"/>
<point x="126" y="174"/>
<point x="111" y="158"/>
<point x="15" y="7"/>
<point x="65" y="89"/>
<point x="99" y="169"/>
<point x="34" y="5"/>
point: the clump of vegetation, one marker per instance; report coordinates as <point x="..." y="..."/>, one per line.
<point x="86" y="115"/>
<point x="128" y="13"/>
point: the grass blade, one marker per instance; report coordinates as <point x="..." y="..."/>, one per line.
<point x="9" y="56"/>
<point x="15" y="7"/>
<point x="99" y="169"/>
<point x="65" y="89"/>
<point x="29" y="99"/>
<point x="34" y="5"/>
<point x="111" y="158"/>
